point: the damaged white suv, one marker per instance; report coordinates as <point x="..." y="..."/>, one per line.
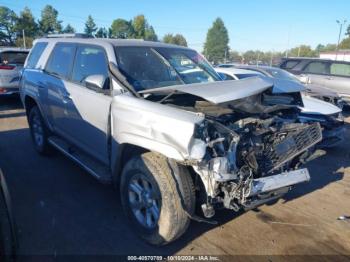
<point x="156" y="120"/>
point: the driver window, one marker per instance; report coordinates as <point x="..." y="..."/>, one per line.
<point x="89" y="60"/>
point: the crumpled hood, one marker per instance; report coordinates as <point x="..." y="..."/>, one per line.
<point x="317" y="106"/>
<point x="225" y="91"/>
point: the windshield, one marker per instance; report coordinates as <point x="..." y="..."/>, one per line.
<point x="13" y="57"/>
<point x="281" y="74"/>
<point x="147" y="67"/>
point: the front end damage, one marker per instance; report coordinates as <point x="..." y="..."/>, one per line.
<point x="253" y="161"/>
<point x="254" y="141"/>
<point x="242" y="138"/>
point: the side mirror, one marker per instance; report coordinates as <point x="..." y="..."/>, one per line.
<point x="305" y="79"/>
<point x="95" y="81"/>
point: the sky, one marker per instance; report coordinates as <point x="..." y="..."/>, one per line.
<point x="268" y="25"/>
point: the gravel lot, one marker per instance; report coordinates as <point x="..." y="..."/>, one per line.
<point x="60" y="209"/>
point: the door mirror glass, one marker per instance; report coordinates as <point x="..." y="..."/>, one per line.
<point x="305" y="79"/>
<point x="95" y="81"/>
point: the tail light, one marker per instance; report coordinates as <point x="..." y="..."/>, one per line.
<point x="7" y="67"/>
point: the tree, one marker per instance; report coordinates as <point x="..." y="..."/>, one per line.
<point x="178" y="39"/>
<point x="90" y="26"/>
<point x="139" y="26"/>
<point x="122" y="28"/>
<point x="150" y="34"/>
<point x="69" y="29"/>
<point x="101" y="33"/>
<point x="142" y="30"/>
<point x="347" y="32"/>
<point x="330" y="47"/>
<point x="49" y="22"/>
<point x="28" y="43"/>
<point x="345" y="43"/>
<point x="303" y="51"/>
<point x="8" y="21"/>
<point x="26" y="22"/>
<point x="216" y="44"/>
<point x="168" y="38"/>
<point x="234" y="56"/>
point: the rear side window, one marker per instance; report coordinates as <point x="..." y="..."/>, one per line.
<point x="340" y="69"/>
<point x="290" y="64"/>
<point x="317" y="68"/>
<point x="35" y="54"/>
<point x="226" y="76"/>
<point x="13" y="57"/>
<point x="90" y="60"/>
<point x="61" y="60"/>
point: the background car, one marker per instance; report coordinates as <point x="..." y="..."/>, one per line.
<point x="11" y="64"/>
<point x="334" y="75"/>
<point x="312" y="89"/>
<point x="314" y="110"/>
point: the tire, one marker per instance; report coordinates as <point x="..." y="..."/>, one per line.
<point x="163" y="193"/>
<point x="39" y="132"/>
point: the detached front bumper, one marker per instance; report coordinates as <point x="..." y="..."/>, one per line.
<point x="272" y="183"/>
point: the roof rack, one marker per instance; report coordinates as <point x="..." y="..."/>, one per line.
<point x="73" y="35"/>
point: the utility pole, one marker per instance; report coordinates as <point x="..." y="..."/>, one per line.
<point x="24" y="39"/>
<point x="271" y="58"/>
<point x="299" y="51"/>
<point x="340" y="23"/>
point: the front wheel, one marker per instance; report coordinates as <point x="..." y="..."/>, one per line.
<point x="155" y="202"/>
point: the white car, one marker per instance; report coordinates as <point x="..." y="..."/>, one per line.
<point x="11" y="64"/>
<point x="313" y="109"/>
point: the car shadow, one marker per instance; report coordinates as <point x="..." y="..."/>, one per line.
<point x="10" y="102"/>
<point x="326" y="169"/>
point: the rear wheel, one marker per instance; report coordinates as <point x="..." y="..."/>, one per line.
<point x="157" y="204"/>
<point x="39" y="131"/>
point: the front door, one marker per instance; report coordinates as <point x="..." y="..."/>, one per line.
<point x="88" y="109"/>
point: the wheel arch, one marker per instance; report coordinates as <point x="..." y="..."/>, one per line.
<point x="29" y="103"/>
<point x="121" y="154"/>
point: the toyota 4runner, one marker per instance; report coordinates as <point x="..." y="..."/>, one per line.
<point x="157" y="121"/>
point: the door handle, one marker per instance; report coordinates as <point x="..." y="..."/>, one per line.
<point x="329" y="78"/>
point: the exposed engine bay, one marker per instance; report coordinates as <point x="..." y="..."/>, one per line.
<point x="240" y="152"/>
<point x="254" y="148"/>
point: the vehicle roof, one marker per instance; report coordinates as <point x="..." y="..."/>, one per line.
<point x="110" y="41"/>
<point x="306" y="58"/>
<point x="3" y="49"/>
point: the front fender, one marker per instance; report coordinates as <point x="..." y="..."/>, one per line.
<point x="156" y="127"/>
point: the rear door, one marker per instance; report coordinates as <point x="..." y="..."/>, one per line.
<point x="339" y="79"/>
<point x="87" y="109"/>
<point x="317" y="71"/>
<point x="53" y="86"/>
